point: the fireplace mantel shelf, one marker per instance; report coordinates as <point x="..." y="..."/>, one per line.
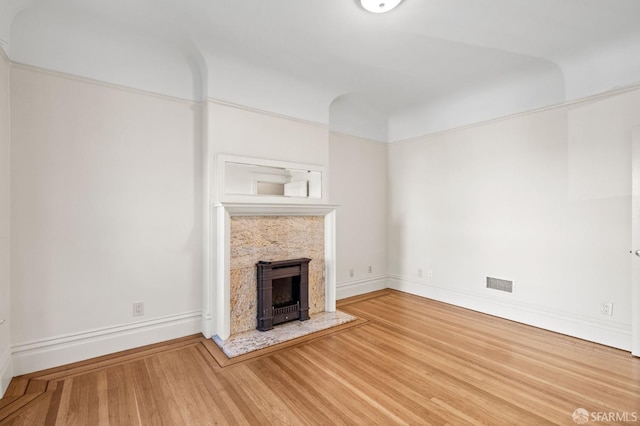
<point x="260" y="209"/>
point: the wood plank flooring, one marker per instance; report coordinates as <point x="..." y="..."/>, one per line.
<point x="408" y="360"/>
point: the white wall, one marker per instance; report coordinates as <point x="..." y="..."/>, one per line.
<point x="358" y="169"/>
<point x="542" y="199"/>
<point x="236" y="130"/>
<point x="106" y="211"/>
<point x="6" y="365"/>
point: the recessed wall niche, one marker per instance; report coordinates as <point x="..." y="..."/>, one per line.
<point x="255" y="238"/>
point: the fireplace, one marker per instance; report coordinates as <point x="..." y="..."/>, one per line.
<point x="238" y="238"/>
<point x="283" y="292"/>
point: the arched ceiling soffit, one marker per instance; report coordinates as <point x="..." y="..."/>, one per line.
<point x="59" y="36"/>
<point x="420" y="52"/>
<point x="360" y="114"/>
<point x="8" y="10"/>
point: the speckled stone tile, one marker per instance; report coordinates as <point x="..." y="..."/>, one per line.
<point x="255" y="238"/>
<point x="253" y="340"/>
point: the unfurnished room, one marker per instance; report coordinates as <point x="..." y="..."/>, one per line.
<point x="337" y="212"/>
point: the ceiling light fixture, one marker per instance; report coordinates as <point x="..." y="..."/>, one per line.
<point x="379" y="6"/>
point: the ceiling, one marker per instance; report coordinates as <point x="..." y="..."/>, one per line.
<point x="297" y="57"/>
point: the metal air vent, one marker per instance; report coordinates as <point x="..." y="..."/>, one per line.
<point x="498" y="284"/>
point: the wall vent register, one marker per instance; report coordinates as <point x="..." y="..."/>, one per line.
<point x="501" y="285"/>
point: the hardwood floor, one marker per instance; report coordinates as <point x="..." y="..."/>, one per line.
<point x="408" y="360"/>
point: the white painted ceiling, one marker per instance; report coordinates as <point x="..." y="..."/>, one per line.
<point x="425" y="66"/>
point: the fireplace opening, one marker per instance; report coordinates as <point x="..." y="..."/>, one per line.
<point x="283" y="292"/>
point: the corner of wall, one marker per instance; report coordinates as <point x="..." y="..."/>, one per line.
<point x="4" y="55"/>
<point x="52" y="352"/>
<point x="6" y="358"/>
<point x="362" y="286"/>
<point x="6" y="370"/>
<point x="614" y="335"/>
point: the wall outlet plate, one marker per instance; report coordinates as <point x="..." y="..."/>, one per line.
<point x="138" y="309"/>
<point x="606" y="308"/>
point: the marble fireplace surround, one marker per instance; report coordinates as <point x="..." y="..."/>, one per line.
<point x="216" y="316"/>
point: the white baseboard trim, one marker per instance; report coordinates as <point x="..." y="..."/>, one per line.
<point x="362" y="286"/>
<point x="612" y="334"/>
<point x="52" y="352"/>
<point x="6" y="370"/>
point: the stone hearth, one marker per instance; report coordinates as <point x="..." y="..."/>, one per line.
<point x="253" y="340"/>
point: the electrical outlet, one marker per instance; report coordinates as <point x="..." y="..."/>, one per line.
<point x="606" y="308"/>
<point x="419" y="273"/>
<point x="138" y="309"/>
<point x="370" y="269"/>
<point x="351" y="273"/>
<point x="429" y="273"/>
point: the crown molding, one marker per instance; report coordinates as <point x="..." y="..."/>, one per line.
<point x="265" y="112"/>
<point x="620" y="90"/>
<point x="87" y="80"/>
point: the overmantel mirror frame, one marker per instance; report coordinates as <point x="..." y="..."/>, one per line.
<point x="309" y="185"/>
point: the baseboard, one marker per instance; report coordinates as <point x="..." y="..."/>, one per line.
<point x="6" y="370"/>
<point x="612" y="334"/>
<point x="47" y="353"/>
<point x="362" y="286"/>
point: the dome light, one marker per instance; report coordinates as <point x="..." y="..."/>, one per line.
<point x="379" y="6"/>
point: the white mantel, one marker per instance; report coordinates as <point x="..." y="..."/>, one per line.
<point x="216" y="309"/>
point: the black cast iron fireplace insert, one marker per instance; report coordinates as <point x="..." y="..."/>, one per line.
<point x="283" y="292"/>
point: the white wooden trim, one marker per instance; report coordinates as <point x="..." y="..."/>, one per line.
<point x="635" y="241"/>
<point x="41" y="354"/>
<point x="251" y="209"/>
<point x="208" y="228"/>
<point x="223" y="281"/>
<point x="361" y="286"/>
<point x="265" y="112"/>
<point x="330" y="261"/>
<point x="562" y="104"/>
<point x="101" y="83"/>
<point x="608" y="333"/>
